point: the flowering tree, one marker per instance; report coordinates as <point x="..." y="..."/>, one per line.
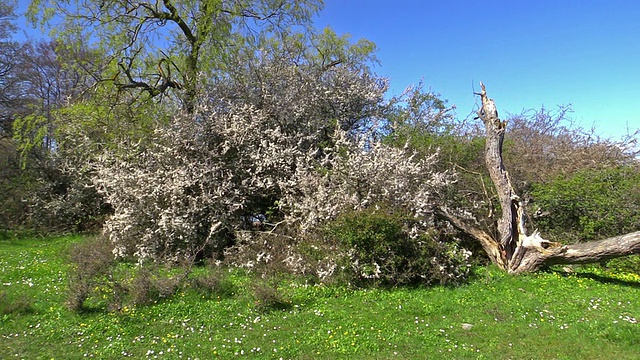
<point x="205" y="174"/>
<point x="296" y="144"/>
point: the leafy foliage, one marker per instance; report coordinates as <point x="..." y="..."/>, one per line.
<point x="382" y="251"/>
<point x="13" y="210"/>
<point x="589" y="205"/>
<point x="162" y="49"/>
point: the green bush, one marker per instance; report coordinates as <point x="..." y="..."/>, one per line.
<point x="590" y="205"/>
<point x="626" y="264"/>
<point x="383" y="251"/>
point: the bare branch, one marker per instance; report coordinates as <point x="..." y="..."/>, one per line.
<point x="490" y="246"/>
<point x="517" y="252"/>
<point x="536" y="252"/>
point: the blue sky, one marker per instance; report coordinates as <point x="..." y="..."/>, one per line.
<point x="528" y="53"/>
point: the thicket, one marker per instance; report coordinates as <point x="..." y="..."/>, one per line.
<point x="382" y="250"/>
<point x="590" y="204"/>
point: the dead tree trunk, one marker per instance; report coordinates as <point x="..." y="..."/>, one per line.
<point x="515" y="251"/>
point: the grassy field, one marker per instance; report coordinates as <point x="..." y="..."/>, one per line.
<point x="584" y="315"/>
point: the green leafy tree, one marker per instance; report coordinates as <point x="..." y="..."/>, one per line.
<point x="10" y="101"/>
<point x="161" y="48"/>
<point x="51" y="83"/>
<point x="48" y="81"/>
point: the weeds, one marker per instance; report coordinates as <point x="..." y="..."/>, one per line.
<point x="213" y="283"/>
<point x="268" y="297"/>
<point x="92" y="262"/>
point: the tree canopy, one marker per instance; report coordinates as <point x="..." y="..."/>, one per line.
<point x="168" y="48"/>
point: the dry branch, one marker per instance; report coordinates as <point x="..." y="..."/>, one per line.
<point x="515" y="251"/>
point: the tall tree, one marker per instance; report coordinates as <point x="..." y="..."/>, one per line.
<point x="160" y="48"/>
<point x="48" y="79"/>
<point x="10" y="101"/>
<point x="12" y="104"/>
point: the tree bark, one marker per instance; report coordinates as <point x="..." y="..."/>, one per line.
<point x="511" y="223"/>
<point x="515" y="251"/>
<point x="535" y="252"/>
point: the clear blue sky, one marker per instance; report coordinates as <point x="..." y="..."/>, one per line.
<point x="528" y="53"/>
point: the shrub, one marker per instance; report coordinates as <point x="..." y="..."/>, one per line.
<point x="267" y="297"/>
<point x="275" y="254"/>
<point x="377" y="201"/>
<point x="150" y="284"/>
<point x="198" y="182"/>
<point x="61" y="202"/>
<point x="383" y="251"/>
<point x="195" y="182"/>
<point x="213" y="282"/>
<point x="592" y="204"/>
<point x="98" y="279"/>
<point x="92" y="263"/>
<point x="14" y="185"/>
<point x="627" y="264"/>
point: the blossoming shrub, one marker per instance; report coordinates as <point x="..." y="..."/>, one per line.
<point x="301" y="149"/>
<point x="202" y="179"/>
<point x="376" y="202"/>
<point x="357" y="174"/>
<point x="194" y="185"/>
<point x="360" y="211"/>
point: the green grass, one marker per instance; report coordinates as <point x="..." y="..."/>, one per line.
<point x="585" y="315"/>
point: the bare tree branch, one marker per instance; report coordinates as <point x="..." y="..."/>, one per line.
<point x="515" y="251"/>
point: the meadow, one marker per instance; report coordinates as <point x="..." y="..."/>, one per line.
<point x="584" y="314"/>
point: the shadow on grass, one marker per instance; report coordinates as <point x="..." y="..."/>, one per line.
<point x="599" y="278"/>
